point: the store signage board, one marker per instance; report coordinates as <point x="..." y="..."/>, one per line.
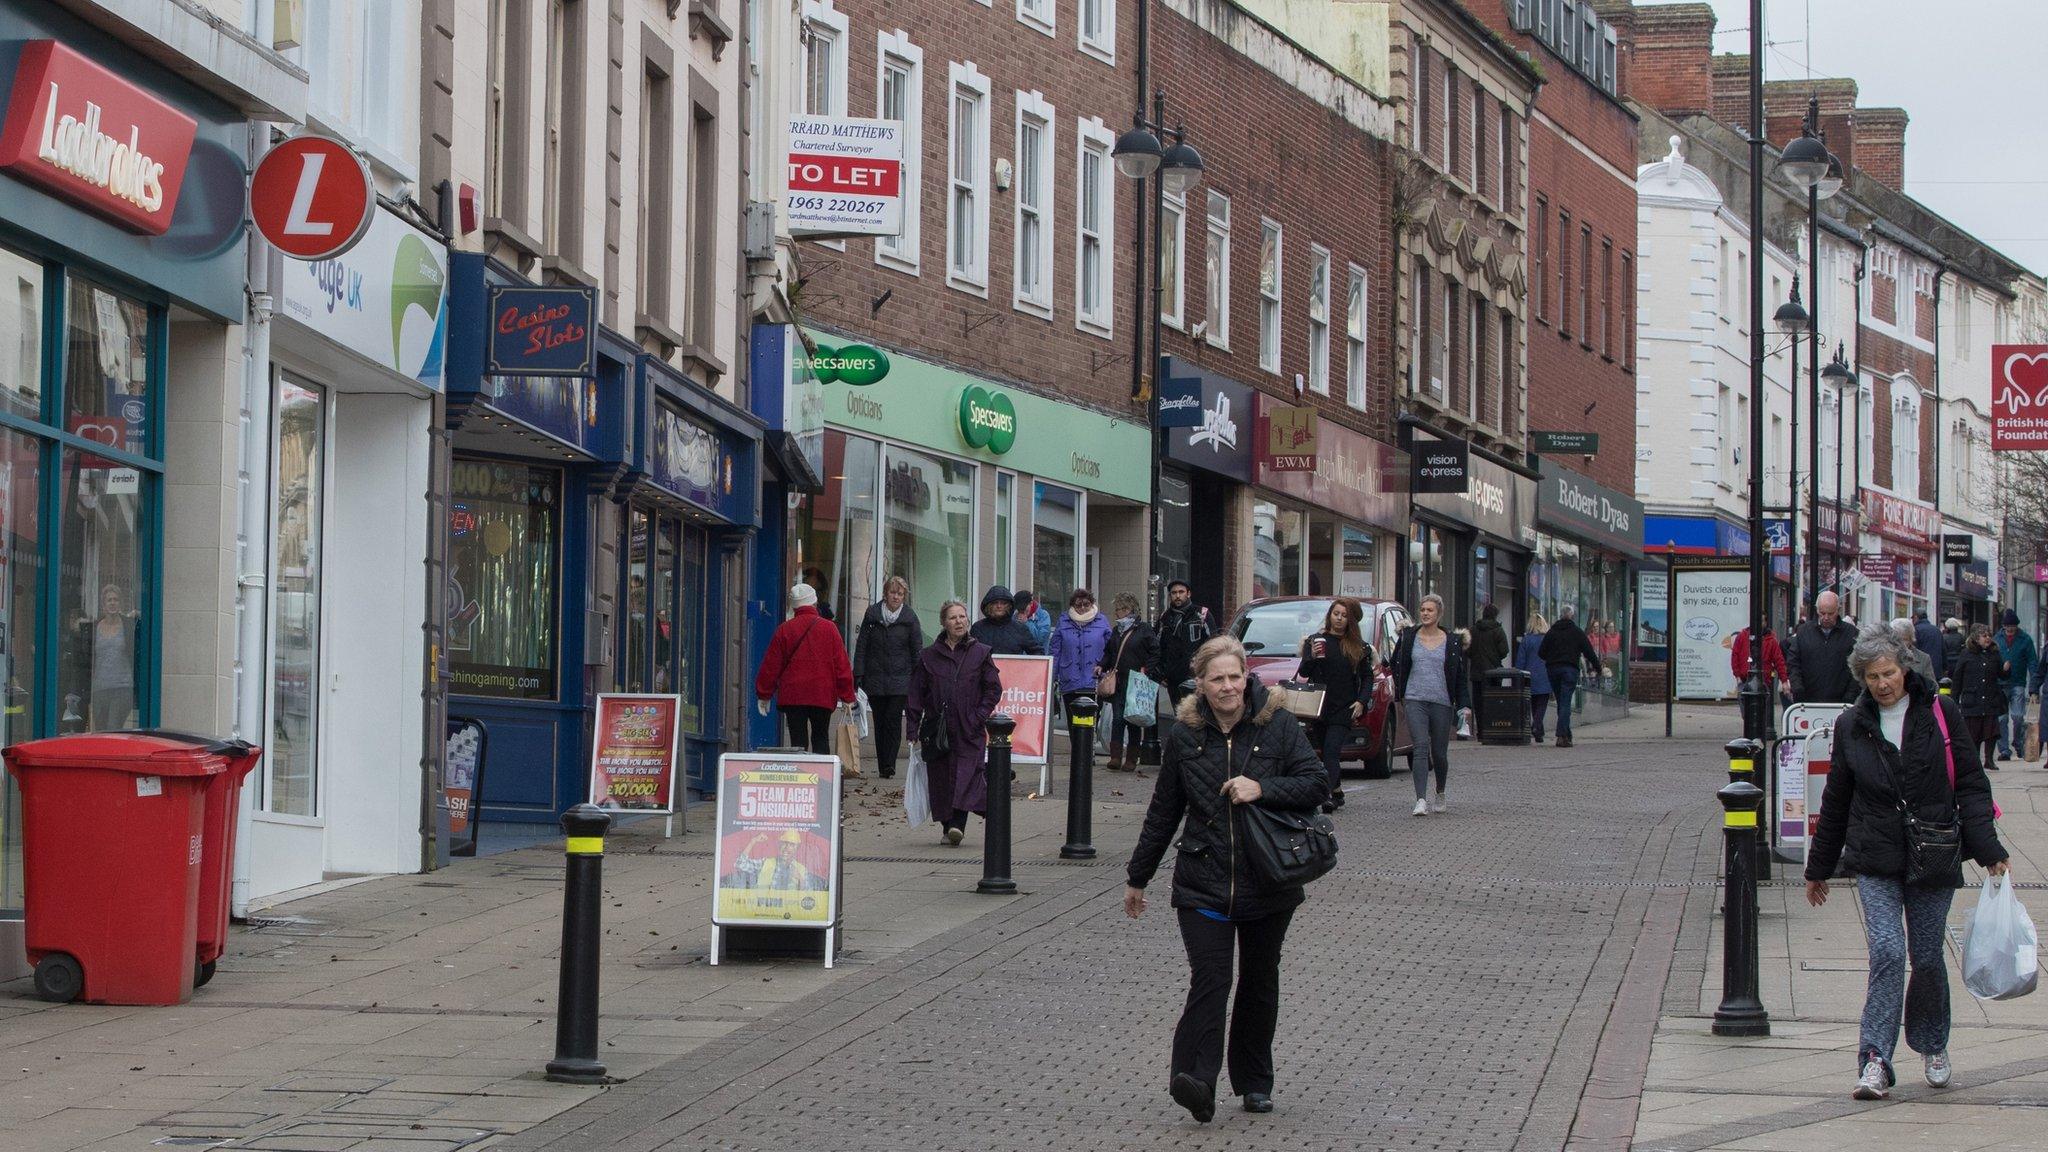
<point x="2019" y="398"/>
<point x="776" y="854"/>
<point x="1709" y="598"/>
<point x="1180" y="402"/>
<point x="1027" y="699"/>
<point x="83" y="133"/>
<point x="857" y="364"/>
<point x="1906" y="521"/>
<point x="1974" y="580"/>
<point x="1289" y="437"/>
<point x="988" y="419"/>
<point x="845" y="177"/>
<point x="311" y="196"/>
<point x="1880" y="567"/>
<point x="385" y="300"/>
<point x="1440" y="466"/>
<point x="1355" y="476"/>
<point x="633" y="754"/>
<point x="1958" y="548"/>
<point x="542" y="331"/>
<point x="1567" y="443"/>
<point x="1588" y="509"/>
<point x="689" y="460"/>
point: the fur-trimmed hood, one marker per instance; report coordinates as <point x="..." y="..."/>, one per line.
<point x="1261" y="702"/>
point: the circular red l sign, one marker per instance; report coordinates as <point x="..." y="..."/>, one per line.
<point x="312" y="197"/>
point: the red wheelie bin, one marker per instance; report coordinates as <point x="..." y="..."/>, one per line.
<point x="217" y="861"/>
<point x="114" y="853"/>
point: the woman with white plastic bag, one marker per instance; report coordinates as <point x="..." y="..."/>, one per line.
<point x="917" y="791"/>
<point x="2001" y="953"/>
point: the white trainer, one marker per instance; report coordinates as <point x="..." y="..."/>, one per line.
<point x="1421" y="808"/>
<point x="1938" y="1070"/>
<point x="1875" y="1083"/>
<point x="1442" y="803"/>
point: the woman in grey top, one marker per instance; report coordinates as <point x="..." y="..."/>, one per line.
<point x="1430" y="683"/>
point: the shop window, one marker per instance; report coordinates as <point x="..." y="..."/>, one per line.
<point x="927" y="532"/>
<point x="1359" y="575"/>
<point x="504" y="556"/>
<point x="20" y="651"/>
<point x="299" y="472"/>
<point x="1277" y="547"/>
<point x="1006" y="527"/>
<point x="686" y="653"/>
<point x="1056" y="529"/>
<point x="100" y="659"/>
<point x="21" y="335"/>
<point x="106" y="368"/>
<point x="838" y="545"/>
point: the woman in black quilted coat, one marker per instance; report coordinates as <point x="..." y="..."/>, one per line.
<point x="1231" y="744"/>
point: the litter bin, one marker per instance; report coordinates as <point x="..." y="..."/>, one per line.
<point x="217" y="845"/>
<point x="1504" y="707"/>
<point x="114" y="854"/>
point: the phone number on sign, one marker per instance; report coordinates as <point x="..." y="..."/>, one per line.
<point x="806" y="203"/>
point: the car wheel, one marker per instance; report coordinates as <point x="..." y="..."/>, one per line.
<point x="1379" y="765"/>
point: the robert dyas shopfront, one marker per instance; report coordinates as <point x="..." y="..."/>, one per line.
<point x="956" y="482"/>
<point x="1589" y="542"/>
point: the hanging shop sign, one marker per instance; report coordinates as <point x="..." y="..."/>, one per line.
<point x="1497" y="500"/>
<point x="1180" y="402"/>
<point x="1905" y="521"/>
<point x="95" y="139"/>
<point x="542" y="331"/>
<point x="311" y="196"/>
<point x="1958" y="548"/>
<point x="2019" y="398"/>
<point x="633" y="755"/>
<point x="1440" y="466"/>
<point x="1287" y="437"/>
<point x="777" y="850"/>
<point x="1211" y="439"/>
<point x="845" y="177"/>
<point x="385" y="300"/>
<point x="987" y="419"/>
<point x="1567" y="443"/>
<point x="1588" y="509"/>
<point x="1778" y="534"/>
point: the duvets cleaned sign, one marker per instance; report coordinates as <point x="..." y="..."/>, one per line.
<point x="84" y="133"/>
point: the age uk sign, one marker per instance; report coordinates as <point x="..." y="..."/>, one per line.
<point x="845" y="177"/>
<point x="2019" y="397"/>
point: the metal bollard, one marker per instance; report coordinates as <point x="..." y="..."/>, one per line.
<point x="1741" y="1012"/>
<point x="576" y="1059"/>
<point x="1080" y="845"/>
<point x="1947" y="686"/>
<point x="1751" y="695"/>
<point x="1745" y="757"/>
<point x="995" y="848"/>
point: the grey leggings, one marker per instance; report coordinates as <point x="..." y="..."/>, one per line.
<point x="1429" y="728"/>
<point x="1898" y="918"/>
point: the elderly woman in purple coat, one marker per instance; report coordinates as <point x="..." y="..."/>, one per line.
<point x="953" y="691"/>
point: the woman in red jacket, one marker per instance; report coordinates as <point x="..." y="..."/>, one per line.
<point x="806" y="673"/>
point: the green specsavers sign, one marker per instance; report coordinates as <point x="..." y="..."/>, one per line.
<point x="949" y="411"/>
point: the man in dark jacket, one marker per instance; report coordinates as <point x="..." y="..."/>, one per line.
<point x="999" y="627"/>
<point x="1489" y="650"/>
<point x="1564" y="647"/>
<point x="1927" y="638"/>
<point x="1819" y="659"/>
<point x="1182" y="629"/>
<point x="1951" y="645"/>
<point x="884" y="653"/>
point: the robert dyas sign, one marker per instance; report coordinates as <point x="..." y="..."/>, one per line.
<point x="1589" y="510"/>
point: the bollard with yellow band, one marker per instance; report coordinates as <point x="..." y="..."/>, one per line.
<point x="1743" y="754"/>
<point x="576" y="1059"/>
<point x="1080" y="845"/>
<point x="1948" y="686"/>
<point x="1741" y="1012"/>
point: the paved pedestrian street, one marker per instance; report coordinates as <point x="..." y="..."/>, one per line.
<point x="1534" y="970"/>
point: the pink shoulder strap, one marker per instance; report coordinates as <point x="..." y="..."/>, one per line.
<point x="1948" y="747"/>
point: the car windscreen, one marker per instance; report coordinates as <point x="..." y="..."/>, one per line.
<point x="1278" y="629"/>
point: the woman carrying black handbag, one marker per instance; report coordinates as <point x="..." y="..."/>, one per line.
<point x="1231" y="745"/>
<point x="1906" y="799"/>
<point x="1337" y="660"/>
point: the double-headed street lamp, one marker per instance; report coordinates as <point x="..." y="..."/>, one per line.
<point x="1141" y="154"/>
<point x="1806" y="163"/>
<point x="1839" y="377"/>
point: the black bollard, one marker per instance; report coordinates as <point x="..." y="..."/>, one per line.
<point x="576" y="1059"/>
<point x="1745" y="762"/>
<point x="1751" y="695"/>
<point x="1742" y="1011"/>
<point x="1948" y="686"/>
<point x="1081" y="783"/>
<point x="995" y="849"/>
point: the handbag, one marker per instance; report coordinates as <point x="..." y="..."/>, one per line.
<point x="1303" y="699"/>
<point x="846" y="740"/>
<point x="1934" y="848"/>
<point x="1106" y="684"/>
<point x="1287" y="849"/>
<point x="1141" y="708"/>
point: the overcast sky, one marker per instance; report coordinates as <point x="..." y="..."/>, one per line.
<point x="1967" y="72"/>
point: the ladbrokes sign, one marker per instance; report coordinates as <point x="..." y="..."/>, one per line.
<point x="86" y="134"/>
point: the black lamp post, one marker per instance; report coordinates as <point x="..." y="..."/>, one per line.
<point x="1792" y="319"/>
<point x="1839" y="377"/>
<point x="1160" y="168"/>
<point x="1806" y="163"/>
<point x="1759" y="561"/>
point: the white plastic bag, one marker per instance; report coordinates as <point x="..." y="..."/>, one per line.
<point x="917" y="790"/>
<point x="864" y="710"/>
<point x="2001" y="958"/>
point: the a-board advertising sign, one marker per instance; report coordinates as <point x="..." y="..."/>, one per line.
<point x="633" y="755"/>
<point x="777" y="848"/>
<point x="1709" y="604"/>
<point x="462" y="782"/>
<point x="1820" y="757"/>
<point x="1027" y="699"/>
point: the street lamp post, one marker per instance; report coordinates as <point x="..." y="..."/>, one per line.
<point x="1792" y="319"/>
<point x="1807" y="163"/>
<point x="1838" y="376"/>
<point x="1759" y="563"/>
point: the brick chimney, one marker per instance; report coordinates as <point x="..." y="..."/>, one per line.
<point x="1785" y="103"/>
<point x="1670" y="49"/>
<point x="1880" y="135"/>
<point x="1731" y="90"/>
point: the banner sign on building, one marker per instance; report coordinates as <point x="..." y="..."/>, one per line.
<point x="1709" y="600"/>
<point x="1906" y="521"/>
<point x="845" y="177"/>
<point x="1027" y="699"/>
<point x="2019" y="397"/>
<point x="1289" y="439"/>
<point x="633" y="754"/>
<point x="777" y="847"/>
<point x="91" y="137"/>
<point x="1439" y="466"/>
<point x="1180" y="402"/>
<point x="1214" y="442"/>
<point x="385" y="300"/>
<point x="541" y="331"/>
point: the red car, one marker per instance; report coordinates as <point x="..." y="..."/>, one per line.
<point x="1272" y="631"/>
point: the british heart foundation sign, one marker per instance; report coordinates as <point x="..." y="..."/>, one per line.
<point x="93" y="138"/>
<point x="2019" y="397"/>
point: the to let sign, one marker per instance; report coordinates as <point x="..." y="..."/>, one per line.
<point x="85" y="134"/>
<point x="2019" y="397"/>
<point x="311" y="196"/>
<point x="542" y="331"/>
<point x="845" y="177"/>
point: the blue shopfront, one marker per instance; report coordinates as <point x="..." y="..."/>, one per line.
<point x="789" y="400"/>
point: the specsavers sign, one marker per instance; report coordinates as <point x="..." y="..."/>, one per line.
<point x="384" y="300"/>
<point x="948" y="411"/>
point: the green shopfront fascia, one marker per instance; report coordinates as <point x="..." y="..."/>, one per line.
<point x="956" y="482"/>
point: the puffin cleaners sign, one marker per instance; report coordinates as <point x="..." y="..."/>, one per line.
<point x="86" y="134"/>
<point x="987" y="420"/>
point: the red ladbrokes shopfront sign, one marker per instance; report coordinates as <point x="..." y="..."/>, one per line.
<point x="86" y="134"/>
<point x="2019" y="397"/>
